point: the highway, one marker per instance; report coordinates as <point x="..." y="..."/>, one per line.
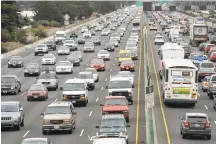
<point x="167" y="118"/>
<point x="87" y="117"/>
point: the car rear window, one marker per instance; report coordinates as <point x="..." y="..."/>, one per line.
<point x="197" y="119"/>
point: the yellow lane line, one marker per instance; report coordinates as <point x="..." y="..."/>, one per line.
<point x="138" y="89"/>
<point x="159" y="94"/>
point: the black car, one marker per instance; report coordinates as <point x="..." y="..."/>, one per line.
<point x="74" y="59"/>
<point x="15" y="61"/>
<point x="10" y="84"/>
<point x="73" y="35"/>
<point x="32" y="69"/>
<point x="110" y="47"/>
<point x="51" y="44"/>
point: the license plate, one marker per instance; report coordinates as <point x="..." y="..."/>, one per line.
<point x="4" y="91"/>
<point x="14" y="64"/>
<point x="73" y="101"/>
<point x="35" y="96"/>
<point x="31" y="73"/>
<point x="56" y="127"/>
<point x="127" y="68"/>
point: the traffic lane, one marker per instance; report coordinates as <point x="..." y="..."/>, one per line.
<point x="173" y="114"/>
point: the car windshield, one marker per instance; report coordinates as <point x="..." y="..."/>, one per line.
<point x="127" y="63"/>
<point x="57" y="110"/>
<point x="85" y="76"/>
<point x="207" y="65"/>
<point x="48" y="56"/>
<point x="91" y="70"/>
<point x="124" y="55"/>
<point x="109" y="123"/>
<point x="7" y="80"/>
<point x="97" y="62"/>
<point x="64" y="64"/>
<point x="36" y="88"/>
<point x="32" y="66"/>
<point x="64" y="48"/>
<point x="115" y="102"/>
<point x="69" y="41"/>
<point x="74" y="87"/>
<point x="73" y="57"/>
<point x="47" y="76"/>
<point x="59" y="35"/>
<point x="34" y="142"/>
<point x="119" y="84"/>
<point x="40" y="46"/>
<point x="124" y="74"/>
<point x="8" y="108"/>
<point x="195" y="119"/>
<point x="89" y="44"/>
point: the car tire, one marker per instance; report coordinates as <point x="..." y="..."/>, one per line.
<point x="44" y="99"/>
<point x="84" y="104"/>
<point x="211" y="96"/>
<point x="209" y="137"/>
<point x="183" y="136"/>
<point x="22" y="123"/>
<point x="28" y="99"/>
<point x="19" y="89"/>
<point x="97" y="80"/>
<point x="17" y="127"/>
<point x="74" y="126"/>
<point x="36" y="54"/>
<point x="25" y="75"/>
<point x="127" y="120"/>
<point x="44" y="132"/>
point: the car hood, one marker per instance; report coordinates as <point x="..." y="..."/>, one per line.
<point x="7" y="85"/>
<point x="59" y="67"/>
<point x="112" y="130"/>
<point x="57" y="116"/>
<point x="9" y="114"/>
<point x="115" y="108"/>
<point x="47" y="58"/>
<point x="73" y="92"/>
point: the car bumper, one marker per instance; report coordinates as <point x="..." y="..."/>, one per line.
<point x="61" y="127"/>
<point x="36" y="97"/>
<point x="88" y="50"/>
<point x="196" y="132"/>
<point x="8" y="91"/>
<point x="9" y="124"/>
<point x="40" y="52"/>
<point x="127" y="69"/>
<point x="63" y="71"/>
<point x="75" y="101"/>
<point x="181" y="101"/>
<point x="47" y="63"/>
<point x="14" y="65"/>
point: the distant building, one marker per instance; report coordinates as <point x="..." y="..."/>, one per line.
<point x="28" y="14"/>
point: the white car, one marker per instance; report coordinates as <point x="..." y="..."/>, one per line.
<point x="134" y="35"/>
<point x="153" y="27"/>
<point x="72" y="44"/>
<point x="123" y="28"/>
<point x="98" y="28"/>
<point x="84" y="29"/>
<point x="159" y="40"/>
<point x="64" y="50"/>
<point x="131" y="41"/>
<point x="127" y="74"/>
<point x="115" y="42"/>
<point x="48" y="59"/>
<point x="167" y="30"/>
<point x="95" y="73"/>
<point x="87" y="34"/>
<point x="129" y="46"/>
<point x="89" y="47"/>
<point x="103" y="54"/>
<point x="105" y="32"/>
<point x="64" y="67"/>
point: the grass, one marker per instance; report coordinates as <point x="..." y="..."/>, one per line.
<point x="11" y="45"/>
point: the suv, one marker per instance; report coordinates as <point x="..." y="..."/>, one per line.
<point x="12" y="115"/>
<point x="10" y="84"/>
<point x="113" y="125"/>
<point x="195" y="124"/>
<point x="206" y="68"/>
<point x="59" y="116"/>
<point x="41" y="49"/>
<point x="211" y="90"/>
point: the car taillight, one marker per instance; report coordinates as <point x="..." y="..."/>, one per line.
<point x="211" y="86"/>
<point x="186" y="124"/>
<point x="102" y="65"/>
<point x="208" y="125"/>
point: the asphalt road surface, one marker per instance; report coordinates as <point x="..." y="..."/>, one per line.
<point x="167" y="118"/>
<point x="87" y="117"/>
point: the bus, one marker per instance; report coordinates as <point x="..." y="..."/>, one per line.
<point x="179" y="82"/>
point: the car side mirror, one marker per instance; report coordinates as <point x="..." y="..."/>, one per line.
<point x="97" y="126"/>
<point x="101" y="104"/>
<point x="61" y="88"/>
<point x="106" y="87"/>
<point x="42" y="114"/>
<point x="128" y="125"/>
<point x="21" y="109"/>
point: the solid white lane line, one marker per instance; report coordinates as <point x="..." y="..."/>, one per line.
<point x="106" y="79"/>
<point x="26" y="133"/>
<point x="206" y="107"/>
<point x="82" y="132"/>
<point x="101" y="88"/>
<point x="55" y="100"/>
<point x="96" y="99"/>
<point x="23" y="93"/>
<point x="90" y="113"/>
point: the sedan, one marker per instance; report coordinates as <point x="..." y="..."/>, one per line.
<point x="51" y="44"/>
<point x="98" y="64"/>
<point x="153" y="27"/>
<point x="15" y="61"/>
<point x="127" y="65"/>
<point x="87" y="34"/>
<point x="89" y="47"/>
<point x="48" y="59"/>
<point x="95" y="73"/>
<point x="32" y="69"/>
<point x="64" y="67"/>
<point x="72" y="44"/>
<point x="74" y="35"/>
<point x="74" y="59"/>
<point x="205" y="83"/>
<point x="79" y="54"/>
<point x="36" y="141"/>
<point x="37" y="91"/>
<point x="109" y="47"/>
<point x="116" y="43"/>
<point x="103" y="54"/>
<point x="127" y="74"/>
<point x="159" y="40"/>
<point x="81" y="40"/>
<point x="63" y="50"/>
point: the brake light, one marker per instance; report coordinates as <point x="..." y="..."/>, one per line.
<point x="186" y="124"/>
<point x="208" y="125"/>
<point x="102" y="65"/>
<point x="211" y="86"/>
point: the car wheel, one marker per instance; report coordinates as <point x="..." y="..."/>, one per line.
<point x="19" y="89"/>
<point x="22" y="123"/>
<point x="127" y="120"/>
<point x="74" y="126"/>
<point x="70" y="131"/>
<point x="56" y="87"/>
<point x="25" y="75"/>
<point x="17" y="127"/>
<point x="44" y="99"/>
<point x="36" y="54"/>
<point x="28" y="99"/>
<point x="211" y="96"/>
<point x="44" y="132"/>
<point x="183" y="136"/>
<point x="209" y="137"/>
<point x="15" y="92"/>
<point x="84" y="104"/>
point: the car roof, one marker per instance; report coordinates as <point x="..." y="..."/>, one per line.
<point x="117" y="78"/>
<point x="197" y="114"/>
<point x="30" y="139"/>
<point x="115" y="97"/>
<point x="60" y="103"/>
<point x="10" y="102"/>
<point x="85" y="72"/>
<point x="75" y="81"/>
<point x="113" y="116"/>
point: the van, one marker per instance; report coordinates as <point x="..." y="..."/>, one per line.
<point x="59" y="37"/>
<point x="76" y="91"/>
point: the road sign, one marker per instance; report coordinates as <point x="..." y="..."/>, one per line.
<point x="66" y="17"/>
<point x="149" y="97"/>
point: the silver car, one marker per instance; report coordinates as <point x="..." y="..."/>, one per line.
<point x="36" y="141"/>
<point x="89" y="47"/>
<point x="64" y="50"/>
<point x="205" y="83"/>
<point x="12" y="115"/>
<point x="72" y="44"/>
<point x="79" y="54"/>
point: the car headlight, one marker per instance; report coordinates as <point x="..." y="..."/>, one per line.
<point x="46" y="122"/>
<point x="9" y="63"/>
<point x="20" y="62"/>
<point x="37" y="70"/>
<point x="15" y="117"/>
<point x="12" y="87"/>
<point x="67" y="121"/>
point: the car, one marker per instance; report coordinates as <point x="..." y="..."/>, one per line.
<point x="64" y="67"/>
<point x="15" y="61"/>
<point x="32" y="69"/>
<point x="98" y="64"/>
<point x="41" y="49"/>
<point x="103" y="54"/>
<point x="51" y="44"/>
<point x="74" y="35"/>
<point x="48" y="59"/>
<point x="49" y="79"/>
<point x="115" y="42"/>
<point x="128" y="75"/>
<point x="206" y="68"/>
<point x="87" y="34"/>
<point x="80" y="40"/>
<point x="105" y="32"/>
<point x="72" y="44"/>
<point x="96" y="40"/>
<point x="208" y="47"/>
<point x="89" y="47"/>
<point x="88" y="77"/>
<point x="113" y="124"/>
<point x="74" y="59"/>
<point x="151" y="21"/>
<point x="115" y="36"/>
<point x="205" y="83"/>
<point x="185" y="32"/>
<point x="167" y="30"/>
<point x="84" y="29"/>
<point x="79" y="54"/>
<point x="127" y="65"/>
<point x="12" y="115"/>
<point x="10" y="84"/>
<point x="195" y="124"/>
<point x="115" y="105"/>
<point x="37" y="91"/>
<point x="92" y="32"/>
<point x="153" y="27"/>
<point x="110" y="46"/>
<point x="59" y="116"/>
<point x="211" y="51"/>
<point x="94" y="72"/>
<point x="106" y="139"/>
<point x="63" y="50"/>
<point x="159" y="40"/>
<point x="158" y="33"/>
<point x="199" y="58"/>
<point x="98" y="28"/>
<point x="131" y="46"/>
<point x="212" y="57"/>
<point x="36" y="140"/>
<point x="202" y="46"/>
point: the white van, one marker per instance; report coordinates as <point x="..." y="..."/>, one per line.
<point x="76" y="91"/>
<point x="59" y="36"/>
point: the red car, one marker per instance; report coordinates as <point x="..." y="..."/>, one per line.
<point x="116" y="104"/>
<point x="127" y="65"/>
<point x="212" y="57"/>
<point x="208" y="47"/>
<point x="37" y="91"/>
<point x="98" y="64"/>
